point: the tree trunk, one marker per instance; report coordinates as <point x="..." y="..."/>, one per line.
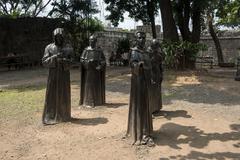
<point x="150" y="11"/>
<point x="195" y="37"/>
<point x="215" y="39"/>
<point x="169" y="27"/>
<point x="183" y="17"/>
<point x="183" y="12"/>
<point x="196" y="21"/>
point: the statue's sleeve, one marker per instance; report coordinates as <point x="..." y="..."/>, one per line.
<point x="135" y="63"/>
<point x="68" y="58"/>
<point x="48" y="60"/>
<point x="83" y="60"/>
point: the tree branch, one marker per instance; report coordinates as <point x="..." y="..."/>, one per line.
<point x="4" y="8"/>
<point x="36" y="8"/>
<point x="41" y="8"/>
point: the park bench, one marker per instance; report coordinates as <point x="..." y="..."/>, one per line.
<point x="238" y="63"/>
<point x="203" y="61"/>
<point x="16" y="61"/>
<point x="237" y="76"/>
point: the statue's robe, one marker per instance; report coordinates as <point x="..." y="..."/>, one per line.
<point x="92" y="80"/>
<point x="155" y="93"/>
<point x="57" y="106"/>
<point x="139" y="117"/>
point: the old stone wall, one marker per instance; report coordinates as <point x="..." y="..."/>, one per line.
<point x="108" y="40"/>
<point x="230" y="47"/>
<point x="29" y="36"/>
<point x="26" y="36"/>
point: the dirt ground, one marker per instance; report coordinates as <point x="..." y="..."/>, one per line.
<point x="200" y="119"/>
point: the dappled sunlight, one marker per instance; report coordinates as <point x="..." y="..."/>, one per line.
<point x="186" y="80"/>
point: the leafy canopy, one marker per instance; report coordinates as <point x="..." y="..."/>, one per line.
<point x="137" y="9"/>
<point x="17" y="8"/>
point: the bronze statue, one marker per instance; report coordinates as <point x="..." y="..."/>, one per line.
<point x="155" y="95"/>
<point x="237" y="76"/>
<point x="93" y="66"/>
<point x="57" y="57"/>
<point x="140" y="118"/>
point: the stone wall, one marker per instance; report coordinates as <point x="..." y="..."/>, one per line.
<point x="108" y="40"/>
<point x="230" y="47"/>
<point x="148" y="30"/>
<point x="29" y="36"/>
<point x="26" y="36"/>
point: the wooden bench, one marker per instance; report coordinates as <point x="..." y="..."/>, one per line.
<point x="237" y="76"/>
<point x="17" y="61"/>
<point x="205" y="60"/>
<point x="238" y="63"/>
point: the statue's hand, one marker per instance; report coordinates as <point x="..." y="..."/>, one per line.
<point x="59" y="59"/>
<point x="153" y="82"/>
<point x="90" y="60"/>
<point x="98" y="67"/>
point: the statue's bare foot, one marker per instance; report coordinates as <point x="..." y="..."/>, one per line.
<point x="147" y="140"/>
<point x="156" y="113"/>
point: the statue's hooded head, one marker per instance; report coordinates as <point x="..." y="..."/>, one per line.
<point x="140" y="39"/>
<point x="58" y="36"/>
<point x="155" y="44"/>
<point x="92" y="41"/>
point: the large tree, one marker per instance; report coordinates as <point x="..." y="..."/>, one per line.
<point x="143" y="10"/>
<point x="17" y="8"/>
<point x="188" y="15"/>
<point x="222" y="12"/>
<point x="169" y="26"/>
<point x="214" y="8"/>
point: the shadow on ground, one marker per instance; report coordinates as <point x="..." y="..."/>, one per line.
<point x="194" y="155"/>
<point x="115" y="105"/>
<point x="173" y="114"/>
<point x="173" y="135"/>
<point x="89" y="121"/>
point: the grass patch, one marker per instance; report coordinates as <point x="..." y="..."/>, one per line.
<point x="21" y="101"/>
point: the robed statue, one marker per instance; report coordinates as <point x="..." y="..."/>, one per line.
<point x="93" y="67"/>
<point x="155" y="94"/>
<point x="57" y="57"/>
<point x="237" y="76"/>
<point x="140" y="126"/>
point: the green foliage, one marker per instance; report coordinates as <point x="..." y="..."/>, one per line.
<point x="22" y="8"/>
<point x="175" y="50"/>
<point x="72" y="9"/>
<point x="78" y="21"/>
<point x="137" y="9"/>
<point x="229" y="13"/>
<point x="81" y="30"/>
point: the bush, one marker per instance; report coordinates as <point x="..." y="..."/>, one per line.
<point x="174" y="51"/>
